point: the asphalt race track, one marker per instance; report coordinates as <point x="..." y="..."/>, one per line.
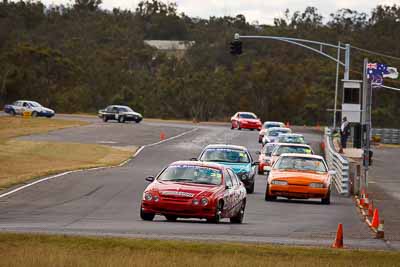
<point x="107" y="201"/>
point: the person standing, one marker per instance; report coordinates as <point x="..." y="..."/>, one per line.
<point x="344" y="132"/>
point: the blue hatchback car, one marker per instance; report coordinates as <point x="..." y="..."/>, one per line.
<point x="237" y="158"/>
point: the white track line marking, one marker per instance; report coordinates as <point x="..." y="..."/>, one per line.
<point x="96" y="168"/>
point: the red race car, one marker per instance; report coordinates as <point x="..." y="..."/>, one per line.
<point x="193" y="189"/>
<point x="245" y="120"/>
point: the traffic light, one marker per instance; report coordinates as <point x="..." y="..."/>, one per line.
<point x="236" y="47"/>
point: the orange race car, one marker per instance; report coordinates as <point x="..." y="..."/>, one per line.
<point x="299" y="176"/>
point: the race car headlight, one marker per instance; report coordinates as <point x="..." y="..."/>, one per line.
<point x="204" y="201"/>
<point x="148" y="196"/>
<point x="156" y="198"/>
<point x="317" y="185"/>
<point x="195" y="202"/>
<point x="278" y="182"/>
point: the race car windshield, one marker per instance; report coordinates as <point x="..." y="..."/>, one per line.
<point x="292" y="149"/>
<point x="292" y="139"/>
<point x="267" y="150"/>
<point x="247" y="116"/>
<point x="124" y="109"/>
<point x="277" y="132"/>
<point x="225" y="155"/>
<point x="192" y="174"/>
<point x="300" y="164"/>
<point x="270" y="125"/>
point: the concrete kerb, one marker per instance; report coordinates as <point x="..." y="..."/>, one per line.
<point x="47" y="178"/>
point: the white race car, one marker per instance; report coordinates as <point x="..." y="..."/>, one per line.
<point x="35" y="109"/>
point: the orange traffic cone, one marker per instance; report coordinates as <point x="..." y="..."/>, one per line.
<point x="375" y="219"/>
<point x="380" y="232"/>
<point x="362" y="201"/>
<point x="338" y="243"/>
<point x="366" y="203"/>
<point x="162" y="136"/>
<point x="371" y="209"/>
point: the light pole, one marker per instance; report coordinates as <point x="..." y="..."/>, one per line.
<point x="307" y="45"/>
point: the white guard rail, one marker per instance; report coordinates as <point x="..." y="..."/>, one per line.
<point x="338" y="163"/>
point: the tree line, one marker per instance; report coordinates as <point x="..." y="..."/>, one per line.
<point x="80" y="58"/>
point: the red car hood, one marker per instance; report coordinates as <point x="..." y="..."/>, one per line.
<point x="184" y="189"/>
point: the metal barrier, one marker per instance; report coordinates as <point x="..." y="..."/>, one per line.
<point x="338" y="163"/>
<point x="388" y="136"/>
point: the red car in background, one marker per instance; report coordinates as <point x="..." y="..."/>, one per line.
<point x="265" y="156"/>
<point x="194" y="189"/>
<point x="245" y="120"/>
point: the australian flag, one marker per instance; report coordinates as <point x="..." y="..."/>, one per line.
<point x="377" y="71"/>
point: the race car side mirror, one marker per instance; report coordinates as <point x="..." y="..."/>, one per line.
<point x="193" y="159"/>
<point x="258" y="152"/>
<point x="150" y="179"/>
<point x="255" y="163"/>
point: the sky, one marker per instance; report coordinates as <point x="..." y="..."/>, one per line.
<point x="262" y="11"/>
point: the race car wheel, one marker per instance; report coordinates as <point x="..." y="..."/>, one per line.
<point x="260" y="172"/>
<point x="105" y="118"/>
<point x="327" y="200"/>
<point x="268" y="197"/>
<point x="232" y="126"/>
<point x="146" y="216"/>
<point x="121" y="119"/>
<point x="137" y="121"/>
<point x="218" y="213"/>
<point x="171" y="218"/>
<point x="34" y="114"/>
<point x="250" y="189"/>
<point x="239" y="127"/>
<point x="12" y="112"/>
<point x="239" y="217"/>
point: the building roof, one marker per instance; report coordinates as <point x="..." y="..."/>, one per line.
<point x="170" y="45"/>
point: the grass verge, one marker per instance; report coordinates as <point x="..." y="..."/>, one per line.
<point x="24" y="160"/>
<point x="51" y="250"/>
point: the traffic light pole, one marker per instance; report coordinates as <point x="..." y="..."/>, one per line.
<point x="307" y="45"/>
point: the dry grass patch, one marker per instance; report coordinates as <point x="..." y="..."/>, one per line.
<point x="18" y="126"/>
<point x="42" y="250"/>
<point x="24" y="160"/>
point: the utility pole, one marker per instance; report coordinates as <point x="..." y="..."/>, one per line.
<point x="366" y="122"/>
